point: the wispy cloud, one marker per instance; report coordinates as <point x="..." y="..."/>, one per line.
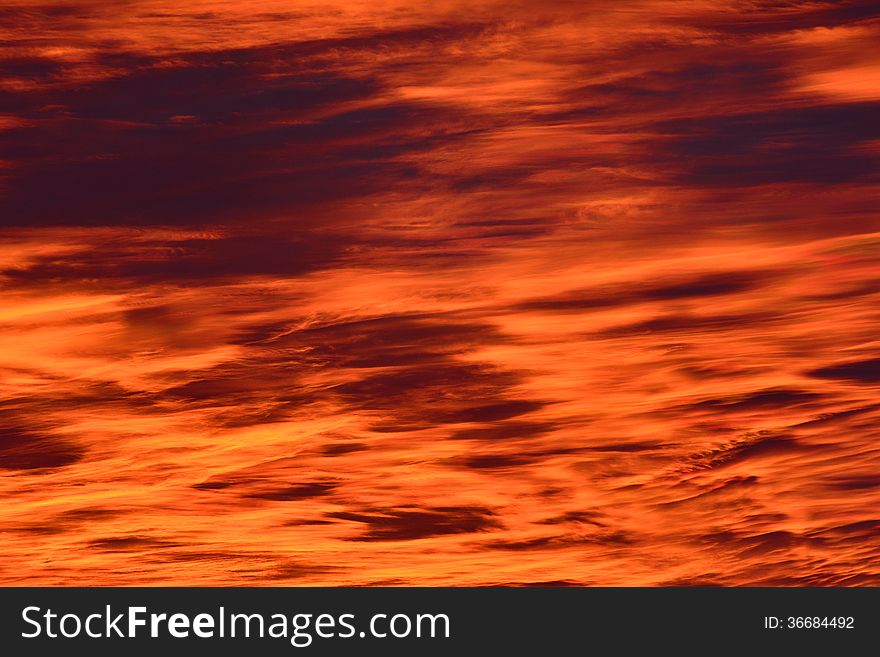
<point x="450" y="293"/>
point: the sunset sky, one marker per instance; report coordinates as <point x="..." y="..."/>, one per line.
<point x="439" y="293"/>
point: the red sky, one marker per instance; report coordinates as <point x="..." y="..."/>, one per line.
<point x="448" y="293"/>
